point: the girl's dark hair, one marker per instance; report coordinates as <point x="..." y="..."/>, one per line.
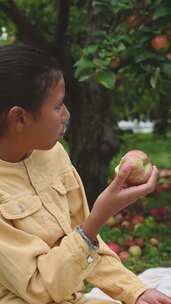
<point x="26" y="74"/>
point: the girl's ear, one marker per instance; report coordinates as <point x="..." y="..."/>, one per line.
<point x="18" y="118"/>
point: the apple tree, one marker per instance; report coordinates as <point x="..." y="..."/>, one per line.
<point x="131" y="56"/>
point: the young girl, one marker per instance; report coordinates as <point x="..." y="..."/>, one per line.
<point x="48" y="239"/>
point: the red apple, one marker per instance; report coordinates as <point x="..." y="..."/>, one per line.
<point x="139" y="242"/>
<point x="123" y="255"/>
<point x="160" y="43"/>
<point x="134" y="19"/>
<point x="115" y="62"/>
<point x="158" y="237"/>
<point x="129" y="243"/>
<point x="158" y="212"/>
<point x="141" y="167"/>
<point x="114" y="247"/>
<point x="135" y="251"/>
<point x="138" y="219"/>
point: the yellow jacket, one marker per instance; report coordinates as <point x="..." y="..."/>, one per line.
<point x="42" y="259"/>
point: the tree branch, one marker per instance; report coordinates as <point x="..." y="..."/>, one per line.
<point x="27" y="30"/>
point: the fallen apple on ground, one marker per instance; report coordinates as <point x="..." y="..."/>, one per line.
<point x="135" y="251"/>
<point x="159" y="212"/>
<point x="123" y="255"/>
<point x="129" y="243"/>
<point x="154" y="242"/>
<point x="141" y="167"/>
<point x="114" y="247"/>
<point x="139" y="242"/>
<point x="138" y="219"/>
<point x="126" y="224"/>
<point x="111" y="222"/>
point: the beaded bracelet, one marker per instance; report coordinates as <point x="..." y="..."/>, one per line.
<point x="91" y="245"/>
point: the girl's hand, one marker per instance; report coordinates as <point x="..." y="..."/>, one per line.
<point x="117" y="196"/>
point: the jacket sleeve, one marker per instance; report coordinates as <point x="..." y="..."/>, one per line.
<point x="37" y="273"/>
<point x="109" y="274"/>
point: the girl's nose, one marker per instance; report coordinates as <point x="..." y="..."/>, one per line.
<point x="66" y="113"/>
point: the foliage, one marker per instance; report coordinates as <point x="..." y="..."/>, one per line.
<point x="121" y="56"/>
<point x="42" y="14"/>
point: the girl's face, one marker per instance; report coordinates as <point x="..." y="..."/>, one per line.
<point x="43" y="132"/>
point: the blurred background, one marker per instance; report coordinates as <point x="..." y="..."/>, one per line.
<point x="116" y="58"/>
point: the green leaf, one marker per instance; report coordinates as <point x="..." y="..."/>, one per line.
<point x="107" y="79"/>
<point x="161" y="12"/>
<point x="144" y="55"/>
<point x="82" y="65"/>
<point x="121" y="47"/>
<point x="91" y="49"/>
<point x="85" y="77"/>
<point x="166" y="69"/>
<point x="154" y="78"/>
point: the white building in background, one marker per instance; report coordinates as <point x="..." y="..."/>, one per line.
<point x="136" y="126"/>
<point x="4" y="35"/>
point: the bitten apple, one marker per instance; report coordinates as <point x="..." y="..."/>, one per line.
<point x="141" y="167"/>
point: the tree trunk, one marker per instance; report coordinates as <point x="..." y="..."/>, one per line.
<point x="162" y="118"/>
<point x="94" y="140"/>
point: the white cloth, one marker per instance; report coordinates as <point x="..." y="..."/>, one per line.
<point x="158" y="278"/>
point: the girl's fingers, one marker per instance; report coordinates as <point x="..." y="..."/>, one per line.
<point x="121" y="177"/>
<point x="133" y="193"/>
<point x="151" y="183"/>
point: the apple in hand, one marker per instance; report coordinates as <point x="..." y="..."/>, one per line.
<point x="141" y="167"/>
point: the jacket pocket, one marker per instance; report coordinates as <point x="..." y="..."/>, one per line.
<point x="21" y="208"/>
<point x="70" y="196"/>
<point x="66" y="183"/>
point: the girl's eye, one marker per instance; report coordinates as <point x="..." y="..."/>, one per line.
<point x="59" y="107"/>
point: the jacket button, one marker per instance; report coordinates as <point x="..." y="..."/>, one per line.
<point x="22" y="209"/>
<point x="90" y="259"/>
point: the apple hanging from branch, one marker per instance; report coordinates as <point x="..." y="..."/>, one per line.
<point x="141" y="167"/>
<point x="160" y="43"/>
